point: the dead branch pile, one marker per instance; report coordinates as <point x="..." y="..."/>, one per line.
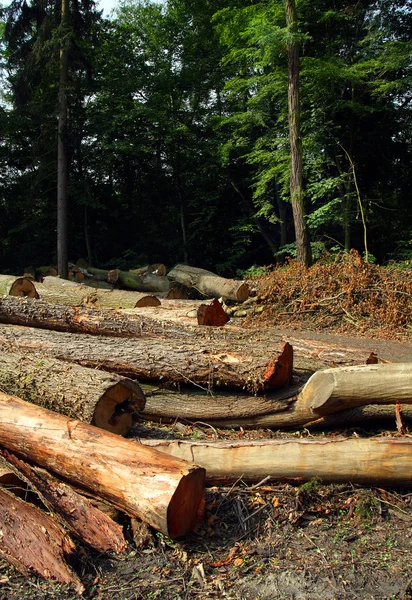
<point x="345" y="293"/>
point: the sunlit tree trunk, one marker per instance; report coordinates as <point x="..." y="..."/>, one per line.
<point x="296" y="187"/>
<point x="62" y="158"/>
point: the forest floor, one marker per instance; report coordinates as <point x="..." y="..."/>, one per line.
<point x="274" y="540"/>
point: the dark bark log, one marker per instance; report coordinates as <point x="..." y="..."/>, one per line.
<point x="90" y="395"/>
<point x="32" y="541"/>
<point x="185" y="360"/>
<point x="209" y="284"/>
<point x="148" y="282"/>
<point x="380" y="461"/>
<point x="76" y="512"/>
<point x="165" y="492"/>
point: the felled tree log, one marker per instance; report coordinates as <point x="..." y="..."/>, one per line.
<point x="167" y="405"/>
<point x="209" y="284"/>
<point x="165" y="492"/>
<point x="88" y="523"/>
<point x="22" y="287"/>
<point x="60" y="291"/>
<point x="30" y="540"/>
<point x="147" y="282"/>
<point x="157" y="269"/>
<point x="82" y="319"/>
<point x="193" y="360"/>
<point x="90" y="395"/>
<point x="332" y="390"/>
<point x="379" y="461"/>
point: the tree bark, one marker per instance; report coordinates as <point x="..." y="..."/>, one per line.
<point x="76" y="512"/>
<point x="209" y="284"/>
<point x="22" y="287"/>
<point x="90" y="395"/>
<point x="157" y="269"/>
<point x="296" y="169"/>
<point x="165" y="492"/>
<point x="30" y="540"/>
<point x="380" y="461"/>
<point x="169" y="359"/>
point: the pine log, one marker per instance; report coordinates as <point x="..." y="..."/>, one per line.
<point x="30" y="540"/>
<point x="332" y="390"/>
<point x="199" y="361"/>
<point x="373" y="461"/>
<point x="60" y="291"/>
<point x="21" y="287"/>
<point x="209" y="284"/>
<point x="90" y="395"/>
<point x="76" y="512"/>
<point x="165" y="492"/>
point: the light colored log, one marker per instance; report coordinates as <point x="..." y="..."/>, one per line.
<point x="165" y="492"/>
<point x="22" y="287"/>
<point x="30" y="540"/>
<point x="60" y="291"/>
<point x="373" y="461"/>
<point x="343" y="388"/>
<point x="90" y="395"/>
<point x="209" y="284"/>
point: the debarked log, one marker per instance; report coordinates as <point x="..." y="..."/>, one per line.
<point x="77" y="513"/>
<point x="166" y="492"/>
<point x="30" y="540"/>
<point x="60" y="291"/>
<point x="373" y="461"/>
<point x="96" y="397"/>
<point x="208" y="283"/>
<point x="186" y="360"/>
<point x="333" y="390"/>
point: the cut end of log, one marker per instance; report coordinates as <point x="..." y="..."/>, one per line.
<point x="212" y="314"/>
<point x="242" y="293"/>
<point x="147" y="300"/>
<point x="278" y="373"/>
<point x="187" y="506"/>
<point x="114" y="411"/>
<point x="23" y="287"/>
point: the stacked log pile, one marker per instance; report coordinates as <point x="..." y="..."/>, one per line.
<point x="78" y="366"/>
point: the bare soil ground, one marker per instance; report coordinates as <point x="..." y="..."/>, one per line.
<point x="265" y="542"/>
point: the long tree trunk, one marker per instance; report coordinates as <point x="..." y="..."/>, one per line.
<point x="165" y="492"/>
<point x="62" y="155"/>
<point x="381" y="461"/>
<point x="296" y="186"/>
<point x="208" y="283"/>
<point x="169" y="359"/>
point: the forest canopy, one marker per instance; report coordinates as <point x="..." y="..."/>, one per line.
<point x="178" y="132"/>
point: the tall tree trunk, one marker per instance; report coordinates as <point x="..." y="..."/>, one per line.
<point x="62" y="158"/>
<point x="296" y="188"/>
